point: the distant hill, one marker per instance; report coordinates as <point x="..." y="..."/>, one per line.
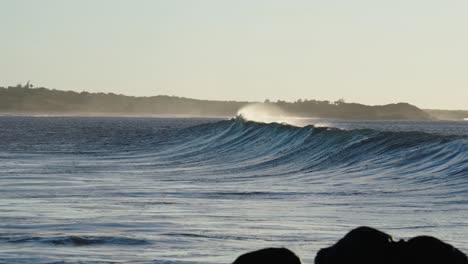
<point x="27" y="100"/>
<point x="448" y="114"/>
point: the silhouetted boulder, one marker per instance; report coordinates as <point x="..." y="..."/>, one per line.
<point x="430" y="250"/>
<point x="269" y="256"/>
<point x="365" y="245"/>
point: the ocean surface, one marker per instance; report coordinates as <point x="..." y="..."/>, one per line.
<point x="182" y="191"/>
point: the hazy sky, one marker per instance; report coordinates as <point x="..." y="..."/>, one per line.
<point x="366" y="51"/>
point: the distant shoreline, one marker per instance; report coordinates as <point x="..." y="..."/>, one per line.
<point x="19" y="100"/>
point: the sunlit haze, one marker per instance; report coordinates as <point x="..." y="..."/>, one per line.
<point x="366" y="51"/>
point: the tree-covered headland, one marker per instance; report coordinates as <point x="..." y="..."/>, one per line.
<point x="26" y="99"/>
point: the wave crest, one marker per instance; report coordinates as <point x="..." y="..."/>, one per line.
<point x="239" y="146"/>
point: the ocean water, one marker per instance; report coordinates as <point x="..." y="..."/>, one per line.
<point x="181" y="191"/>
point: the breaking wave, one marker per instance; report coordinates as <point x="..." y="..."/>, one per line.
<point x="274" y="149"/>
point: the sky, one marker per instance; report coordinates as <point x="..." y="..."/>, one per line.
<point x="366" y="51"/>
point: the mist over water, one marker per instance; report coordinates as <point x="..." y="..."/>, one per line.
<point x="164" y="190"/>
<point x="270" y="113"/>
<point x="263" y="112"/>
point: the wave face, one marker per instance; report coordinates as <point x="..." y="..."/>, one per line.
<point x="151" y="190"/>
<point x="247" y="148"/>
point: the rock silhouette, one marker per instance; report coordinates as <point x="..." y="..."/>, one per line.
<point x="430" y="250"/>
<point x="361" y="245"/>
<point x="365" y="245"/>
<point x="269" y="256"/>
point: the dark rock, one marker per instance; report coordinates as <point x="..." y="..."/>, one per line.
<point x="269" y="256"/>
<point x="430" y="250"/>
<point x="361" y="245"/>
<point x="365" y="245"/>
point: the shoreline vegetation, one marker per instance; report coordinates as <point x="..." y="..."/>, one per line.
<point x="26" y="100"/>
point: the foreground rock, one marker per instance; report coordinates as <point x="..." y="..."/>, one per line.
<point x="269" y="256"/>
<point x="365" y="245"/>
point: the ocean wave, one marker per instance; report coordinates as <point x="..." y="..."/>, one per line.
<point x="204" y="191"/>
<point x="73" y="240"/>
<point x="250" y="149"/>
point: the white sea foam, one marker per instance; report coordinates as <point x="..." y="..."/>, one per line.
<point x="269" y="113"/>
